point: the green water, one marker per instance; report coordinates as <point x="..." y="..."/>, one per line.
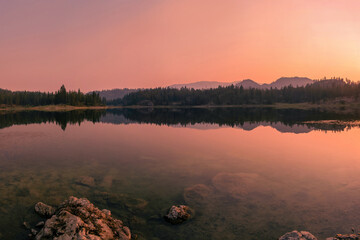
<point x="248" y="174"/>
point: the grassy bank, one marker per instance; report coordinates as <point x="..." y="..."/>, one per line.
<point x="334" y="106"/>
<point x="50" y="108"/>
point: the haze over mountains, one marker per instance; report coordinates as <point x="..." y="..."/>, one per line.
<point x="110" y="95"/>
<point x="248" y="83"/>
<point x="116" y="93"/>
<point x="203" y="85"/>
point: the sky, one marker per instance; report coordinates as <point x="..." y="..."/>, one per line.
<point x="94" y="45"/>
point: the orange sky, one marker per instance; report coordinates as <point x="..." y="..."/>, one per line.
<point x="92" y="44"/>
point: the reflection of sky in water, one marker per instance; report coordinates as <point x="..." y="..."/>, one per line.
<point x="283" y="120"/>
<point x="241" y="183"/>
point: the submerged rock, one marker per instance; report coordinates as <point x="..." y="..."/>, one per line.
<point x="178" y="214"/>
<point x="197" y="194"/>
<point x="44" y="209"/>
<point x="121" y="201"/>
<point x="77" y="219"/>
<point x="235" y="184"/>
<point x="295" y="235"/>
<point x="86" y="181"/>
<point x="135" y="203"/>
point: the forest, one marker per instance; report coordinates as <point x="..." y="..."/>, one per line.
<point x="320" y="91"/>
<point x="62" y="96"/>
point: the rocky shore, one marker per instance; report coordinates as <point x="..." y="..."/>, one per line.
<point x="78" y="219"/>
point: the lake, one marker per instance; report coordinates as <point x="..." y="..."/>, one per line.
<point x="248" y="173"/>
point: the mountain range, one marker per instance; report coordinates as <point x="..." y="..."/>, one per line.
<point x="248" y="83"/>
<point x="110" y="95"/>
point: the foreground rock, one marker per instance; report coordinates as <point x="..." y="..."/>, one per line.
<point x="295" y="235"/>
<point x="44" y="209"/>
<point x="178" y="214"/>
<point x="78" y="219"/>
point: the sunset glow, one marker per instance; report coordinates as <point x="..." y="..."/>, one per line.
<point x="180" y="119"/>
<point x="96" y="45"/>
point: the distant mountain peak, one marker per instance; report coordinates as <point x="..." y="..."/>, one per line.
<point x="293" y="81"/>
<point x="248" y="80"/>
<point x="283" y="79"/>
<point x="248" y="83"/>
<point x="203" y="84"/>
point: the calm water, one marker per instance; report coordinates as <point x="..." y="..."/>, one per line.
<point x="248" y="173"/>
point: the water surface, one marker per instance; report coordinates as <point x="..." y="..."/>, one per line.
<point x="247" y="173"/>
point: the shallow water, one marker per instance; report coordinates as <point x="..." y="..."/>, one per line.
<point x="247" y="173"/>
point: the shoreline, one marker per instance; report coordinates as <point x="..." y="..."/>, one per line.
<point x="51" y="108"/>
<point x="338" y="107"/>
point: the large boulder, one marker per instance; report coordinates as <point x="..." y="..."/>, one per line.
<point x="178" y="214"/>
<point x="295" y="235"/>
<point x="77" y="218"/>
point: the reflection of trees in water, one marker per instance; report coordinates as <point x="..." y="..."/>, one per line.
<point x="284" y="120"/>
<point x="60" y="118"/>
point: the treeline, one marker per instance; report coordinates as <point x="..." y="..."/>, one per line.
<point x="74" y="98"/>
<point x="320" y="91"/>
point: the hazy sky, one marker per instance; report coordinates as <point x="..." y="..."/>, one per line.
<point x="103" y="44"/>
